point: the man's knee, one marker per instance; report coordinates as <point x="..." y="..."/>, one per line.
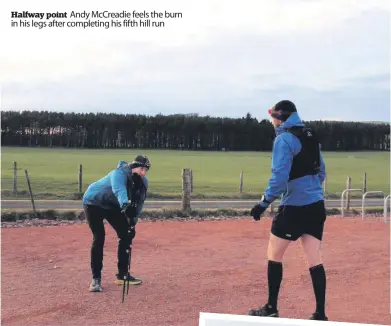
<point x="276" y="248"/>
<point x="314" y="258"/>
<point x="98" y="239"/>
<point x="275" y="254"/>
<point x="312" y="249"/>
<point x="126" y="238"/>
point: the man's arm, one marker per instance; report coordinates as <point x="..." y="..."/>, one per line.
<point x="322" y="172"/>
<point x="282" y="158"/>
<point x="118" y="180"/>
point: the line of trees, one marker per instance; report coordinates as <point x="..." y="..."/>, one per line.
<point x="190" y="132"/>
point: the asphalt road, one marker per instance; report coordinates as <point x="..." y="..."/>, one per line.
<point x="195" y="204"/>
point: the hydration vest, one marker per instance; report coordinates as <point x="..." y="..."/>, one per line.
<point x="307" y="161"/>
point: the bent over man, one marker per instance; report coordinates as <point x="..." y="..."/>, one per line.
<point x="119" y="198"/>
<point x="298" y="171"/>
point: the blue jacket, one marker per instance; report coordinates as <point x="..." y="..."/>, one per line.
<point x="110" y="192"/>
<point x="300" y="191"/>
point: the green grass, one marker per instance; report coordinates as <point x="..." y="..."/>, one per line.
<point x="54" y="172"/>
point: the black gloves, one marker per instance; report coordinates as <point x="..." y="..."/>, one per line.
<point x="257" y="211"/>
<point x="260" y="208"/>
<point x="130" y="212"/>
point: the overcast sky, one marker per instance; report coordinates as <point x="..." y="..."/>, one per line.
<point x="331" y="57"/>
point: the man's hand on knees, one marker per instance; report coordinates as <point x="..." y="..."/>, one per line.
<point x="130" y="212"/>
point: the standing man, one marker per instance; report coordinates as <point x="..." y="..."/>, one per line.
<point x="298" y="171"/>
<point x="119" y="198"/>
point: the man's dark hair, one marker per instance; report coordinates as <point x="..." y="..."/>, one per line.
<point x="282" y="110"/>
<point x="141" y="161"/>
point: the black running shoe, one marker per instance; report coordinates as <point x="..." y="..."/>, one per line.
<point x="265" y="311"/>
<point x="132" y="280"/>
<point x="318" y="316"/>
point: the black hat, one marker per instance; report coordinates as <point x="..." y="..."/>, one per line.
<point x="141" y="161"/>
<point x="282" y="110"/>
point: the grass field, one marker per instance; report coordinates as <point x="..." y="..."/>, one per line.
<point x="54" y="172"/>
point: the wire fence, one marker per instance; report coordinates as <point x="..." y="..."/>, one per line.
<point x="15" y="184"/>
<point x="47" y="184"/>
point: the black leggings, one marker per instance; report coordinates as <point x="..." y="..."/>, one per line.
<point x="95" y="216"/>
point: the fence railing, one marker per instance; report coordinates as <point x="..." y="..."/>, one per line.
<point x="15" y="182"/>
<point x="24" y="184"/>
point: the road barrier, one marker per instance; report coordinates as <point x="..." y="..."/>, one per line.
<point x="386" y="208"/>
<point x="363" y="201"/>
<point x="385" y="199"/>
<point x="342" y="199"/>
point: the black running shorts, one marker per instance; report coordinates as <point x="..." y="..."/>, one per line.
<point x="291" y="222"/>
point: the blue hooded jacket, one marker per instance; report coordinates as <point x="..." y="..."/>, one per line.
<point x="297" y="192"/>
<point x="110" y="192"/>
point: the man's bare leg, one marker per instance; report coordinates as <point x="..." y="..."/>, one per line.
<point x="312" y="249"/>
<point x="275" y="252"/>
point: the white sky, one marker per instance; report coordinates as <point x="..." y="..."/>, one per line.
<point x="331" y="57"/>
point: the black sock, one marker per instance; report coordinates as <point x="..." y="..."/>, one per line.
<point x="318" y="276"/>
<point x="274" y="274"/>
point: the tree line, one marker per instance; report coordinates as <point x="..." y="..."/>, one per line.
<point x="180" y="131"/>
